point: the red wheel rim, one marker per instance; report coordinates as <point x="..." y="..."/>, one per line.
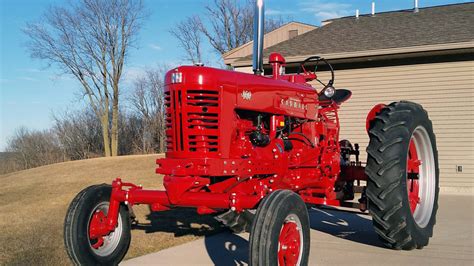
<point x="289" y="243"/>
<point x="413" y="173"/>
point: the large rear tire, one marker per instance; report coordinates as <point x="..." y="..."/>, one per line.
<point x="92" y="203"/>
<point x="280" y="231"/>
<point x="402" y="167"/>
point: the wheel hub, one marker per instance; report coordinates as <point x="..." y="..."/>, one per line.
<point x="102" y="241"/>
<point x="413" y="173"/>
<point x="96" y="226"/>
<point x="289" y="244"/>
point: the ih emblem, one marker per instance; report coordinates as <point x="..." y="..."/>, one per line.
<point x="246" y="95"/>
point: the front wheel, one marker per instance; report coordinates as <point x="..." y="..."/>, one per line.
<point x="280" y="231"/>
<point x="402" y="167"/>
<point x="87" y="211"/>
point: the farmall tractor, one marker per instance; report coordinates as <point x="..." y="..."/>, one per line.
<point x="256" y="150"/>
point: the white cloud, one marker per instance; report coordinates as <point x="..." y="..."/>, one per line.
<point x="31" y="70"/>
<point x="28" y="78"/>
<point x="326" y="10"/>
<point x="62" y="77"/>
<point x="155" y="47"/>
<point x="276" y="12"/>
<point x="132" y="73"/>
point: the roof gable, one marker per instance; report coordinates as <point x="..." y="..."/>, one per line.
<point x="271" y="38"/>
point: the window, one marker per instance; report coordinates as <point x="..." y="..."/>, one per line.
<point x="292" y="34"/>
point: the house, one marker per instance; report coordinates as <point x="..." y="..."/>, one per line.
<point x="425" y="56"/>
<point x="283" y="33"/>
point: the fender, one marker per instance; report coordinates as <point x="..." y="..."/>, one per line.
<point x="372" y="114"/>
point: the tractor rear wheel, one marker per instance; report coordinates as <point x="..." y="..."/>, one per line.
<point x="402" y="167"/>
<point x="90" y="207"/>
<point x="280" y="231"/>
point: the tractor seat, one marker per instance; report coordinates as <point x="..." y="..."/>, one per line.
<point x="340" y="96"/>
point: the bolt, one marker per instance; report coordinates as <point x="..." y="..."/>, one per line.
<point x="196" y="183"/>
<point x="225" y="162"/>
<point x="274" y="150"/>
<point x="233" y="162"/>
<point x="284" y="247"/>
<point x="126" y="202"/>
<point x="297" y="187"/>
<point x="298" y="154"/>
<point x="276" y="156"/>
<point x="298" y="177"/>
<point x="232" y="209"/>
<point x="275" y="175"/>
<point x="250" y="162"/>
<point x="250" y="170"/>
<point x="271" y="181"/>
<point x="225" y="171"/>
<point x="233" y="171"/>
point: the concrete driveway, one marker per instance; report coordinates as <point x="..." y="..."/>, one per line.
<point x="342" y="238"/>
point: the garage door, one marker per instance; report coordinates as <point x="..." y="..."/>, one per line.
<point x="446" y="91"/>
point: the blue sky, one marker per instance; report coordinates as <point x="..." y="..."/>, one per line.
<point x="30" y="92"/>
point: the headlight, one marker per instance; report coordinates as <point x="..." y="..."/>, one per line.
<point x="329" y="92"/>
<point x="176" y="77"/>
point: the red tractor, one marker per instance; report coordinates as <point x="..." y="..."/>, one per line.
<point x="255" y="150"/>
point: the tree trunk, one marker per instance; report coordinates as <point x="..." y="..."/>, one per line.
<point x="115" y="116"/>
<point x="104" y="121"/>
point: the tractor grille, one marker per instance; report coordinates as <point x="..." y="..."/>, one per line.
<point x="192" y="120"/>
<point x="168" y="122"/>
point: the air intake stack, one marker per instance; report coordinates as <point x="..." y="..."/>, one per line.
<point x="258" y="33"/>
<point x="416" y="8"/>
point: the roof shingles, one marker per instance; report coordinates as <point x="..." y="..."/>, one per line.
<point x="430" y="26"/>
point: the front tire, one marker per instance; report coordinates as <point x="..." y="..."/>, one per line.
<point x="280" y="231"/>
<point x="92" y="203"/>
<point x="403" y="183"/>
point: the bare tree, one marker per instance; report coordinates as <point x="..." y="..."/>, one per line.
<point x="32" y="148"/>
<point x="148" y="102"/>
<point x="189" y="36"/>
<point x="79" y="133"/>
<point x="90" y="40"/>
<point x="230" y="24"/>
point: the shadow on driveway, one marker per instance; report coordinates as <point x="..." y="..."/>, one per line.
<point x="181" y="222"/>
<point x="227" y="249"/>
<point x="352" y="226"/>
<point x="230" y="249"/>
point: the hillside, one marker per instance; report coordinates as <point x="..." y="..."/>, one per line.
<point x="33" y="205"/>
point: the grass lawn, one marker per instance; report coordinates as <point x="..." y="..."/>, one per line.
<point x="33" y="205"/>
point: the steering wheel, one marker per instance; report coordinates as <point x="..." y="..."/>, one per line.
<point x="318" y="59"/>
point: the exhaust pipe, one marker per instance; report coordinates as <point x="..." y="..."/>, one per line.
<point x="258" y="33"/>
